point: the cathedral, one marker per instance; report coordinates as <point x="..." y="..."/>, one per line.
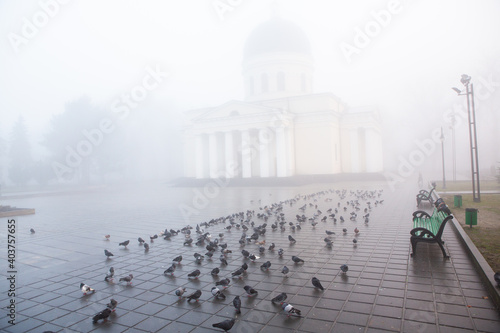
<point x="281" y="128"/>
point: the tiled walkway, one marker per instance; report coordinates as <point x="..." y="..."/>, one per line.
<point x="384" y="290"/>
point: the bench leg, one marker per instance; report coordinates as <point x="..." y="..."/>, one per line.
<point x="442" y="249"/>
<point x="413" y="246"/>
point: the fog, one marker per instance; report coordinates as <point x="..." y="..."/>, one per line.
<point x="69" y="69"/>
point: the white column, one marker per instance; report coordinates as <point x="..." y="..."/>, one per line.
<point x="354" y="148"/>
<point x="246" y="155"/>
<point x="281" y="154"/>
<point x="264" y="138"/>
<point x="212" y="155"/>
<point x="230" y="164"/>
<point x="199" y="160"/>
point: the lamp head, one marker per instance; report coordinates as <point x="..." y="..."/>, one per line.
<point x="465" y="79"/>
<point x="458" y="91"/>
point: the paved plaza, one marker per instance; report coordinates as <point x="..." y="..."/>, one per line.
<point x="385" y="289"/>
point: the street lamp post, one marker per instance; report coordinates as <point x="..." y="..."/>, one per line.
<point x="469" y="91"/>
<point x="442" y="156"/>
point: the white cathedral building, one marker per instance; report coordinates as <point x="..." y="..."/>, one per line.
<point x="282" y="128"/>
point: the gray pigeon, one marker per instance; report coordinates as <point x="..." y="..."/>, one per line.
<point x="281" y="252"/>
<point x="291" y="239"/>
<point x="250" y="291"/>
<point x="196" y="295"/>
<point x="237" y="304"/>
<point x="266" y="265"/>
<point x="217" y="293"/>
<point x="344" y="268"/>
<point x="297" y="259"/>
<point x="288" y="308"/>
<point x="280" y="298"/>
<point x="127" y="279"/>
<point x="224" y="283"/>
<point x="194" y="273"/>
<point x="170" y="270"/>
<point x="238" y="272"/>
<point x="177" y="260"/>
<point x="285" y="270"/>
<point x="112" y="305"/>
<point x="146" y="247"/>
<point x="108" y="254"/>
<point x="179" y="292"/>
<point x="316" y="283"/>
<point x="109" y="276"/>
<point x="125" y="243"/>
<point x="497" y="278"/>
<point x="104" y="314"/>
<point x="215" y="271"/>
<point x="225" y="325"/>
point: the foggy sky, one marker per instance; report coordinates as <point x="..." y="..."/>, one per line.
<point x="103" y="49"/>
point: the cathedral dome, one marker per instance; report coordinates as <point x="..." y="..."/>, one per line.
<point x="276" y="35"/>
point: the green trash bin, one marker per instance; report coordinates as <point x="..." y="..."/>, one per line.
<point x="458" y="201"/>
<point x="471" y="216"/>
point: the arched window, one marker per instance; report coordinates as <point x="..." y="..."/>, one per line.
<point x="303" y="82"/>
<point x="265" y="83"/>
<point x="280" y="79"/>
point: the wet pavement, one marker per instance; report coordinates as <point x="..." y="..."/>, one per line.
<point x="384" y="289"/>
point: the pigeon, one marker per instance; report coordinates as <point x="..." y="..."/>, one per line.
<point x="281" y="252"/>
<point x="354" y="241"/>
<point x="86" y="289"/>
<point x="224" y="283"/>
<point x="250" y="291"/>
<point x="244" y="266"/>
<point x="152" y="238"/>
<point x="108" y="254"/>
<point x="217" y="293"/>
<point x="223" y="260"/>
<point x="196" y="295"/>
<point x="316" y="283"/>
<point x="253" y="257"/>
<point x="177" y="260"/>
<point x="238" y="272"/>
<point x="109" y="276"/>
<point x="344" y="268"/>
<point x="285" y="270"/>
<point x="245" y="253"/>
<point x="146" y="247"/>
<point x="266" y="265"/>
<point x="262" y="249"/>
<point x="344" y="230"/>
<point x="179" y="292"/>
<point x="329" y="232"/>
<point x="170" y="270"/>
<point x="225" y="325"/>
<point x="140" y="240"/>
<point x="112" y="305"/>
<point x="296" y="259"/>
<point x="280" y="298"/>
<point x="198" y="258"/>
<point x="125" y="243"/>
<point x="356" y="231"/>
<point x="291" y="239"/>
<point x="194" y="273"/>
<point x="271" y="247"/>
<point x="215" y="271"/>
<point x="497" y="278"/>
<point x="188" y="241"/>
<point x="127" y="279"/>
<point x="105" y="236"/>
<point x="288" y="308"/>
<point x="237" y="304"/>
<point x="104" y="314"/>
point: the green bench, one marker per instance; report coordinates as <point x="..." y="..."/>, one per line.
<point x="424" y="195"/>
<point x="429" y="228"/>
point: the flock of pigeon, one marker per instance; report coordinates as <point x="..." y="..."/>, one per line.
<point x="253" y="234"/>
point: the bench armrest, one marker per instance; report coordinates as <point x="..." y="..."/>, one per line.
<point x="422" y="233"/>
<point x="420" y="214"/>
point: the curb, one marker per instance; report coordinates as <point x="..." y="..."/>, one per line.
<point x="482" y="266"/>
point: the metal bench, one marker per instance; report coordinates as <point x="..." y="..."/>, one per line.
<point x="429" y="228"/>
<point x="424" y="195"/>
